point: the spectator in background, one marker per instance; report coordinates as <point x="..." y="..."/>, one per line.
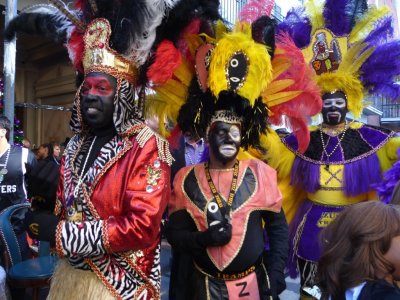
<point x="44" y="151"/>
<point x="361" y="253"/>
<point x="26" y="143"/>
<point x="56" y="153"/>
<point x="45" y="178"/>
<point x="16" y="165"/>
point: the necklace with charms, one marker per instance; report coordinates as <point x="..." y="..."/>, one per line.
<point x="4" y="170"/>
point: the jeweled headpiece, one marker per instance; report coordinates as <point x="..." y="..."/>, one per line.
<point x="99" y="57"/>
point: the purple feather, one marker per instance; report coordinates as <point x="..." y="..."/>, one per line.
<point x="381" y="32"/>
<point x="380" y="69"/>
<point x="298" y="26"/>
<point x="391" y="177"/>
<point x="336" y="18"/>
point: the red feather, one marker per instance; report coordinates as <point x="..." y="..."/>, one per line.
<point x="308" y="103"/>
<point x="191" y="29"/>
<point x="75" y="48"/>
<point x="167" y="60"/>
<point x="174" y="138"/>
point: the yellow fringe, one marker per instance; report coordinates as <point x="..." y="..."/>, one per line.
<point x="70" y="283"/>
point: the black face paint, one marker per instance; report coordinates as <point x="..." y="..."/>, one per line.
<point x="224" y="140"/>
<point x="97" y="100"/>
<point x="334" y="108"/>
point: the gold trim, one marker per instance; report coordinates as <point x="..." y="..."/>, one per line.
<point x="99" y="57"/>
<point x="100" y="275"/>
<point x="59" y="248"/>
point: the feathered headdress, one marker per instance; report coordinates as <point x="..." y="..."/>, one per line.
<point x="248" y="71"/>
<point x="114" y="36"/>
<point x="345" y="43"/>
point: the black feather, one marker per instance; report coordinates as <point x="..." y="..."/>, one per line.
<point x="182" y="14"/>
<point x="48" y="25"/>
<point x="195" y="115"/>
<point x="263" y="31"/>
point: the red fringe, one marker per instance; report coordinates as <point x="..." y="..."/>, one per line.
<point x="167" y="60"/>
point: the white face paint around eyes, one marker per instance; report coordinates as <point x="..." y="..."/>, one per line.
<point x="337" y="102"/>
<point x="234" y="133"/>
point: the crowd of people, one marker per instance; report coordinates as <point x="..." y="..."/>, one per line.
<point x="240" y="202"/>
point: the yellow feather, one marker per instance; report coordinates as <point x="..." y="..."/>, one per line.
<point x="277" y="86"/>
<point x="367" y="23"/>
<point x="314" y="10"/>
<point x="352" y="61"/>
<point x="220" y="30"/>
<point x="279" y="98"/>
<point x="259" y="72"/>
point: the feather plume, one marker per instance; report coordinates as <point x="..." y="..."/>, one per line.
<point x="365" y="25"/>
<point x="293" y="93"/>
<point x="254" y="9"/>
<point x="75" y="47"/>
<point x="381" y="33"/>
<point x="314" y="10"/>
<point x="45" y="20"/>
<point x="335" y="10"/>
<point x="356" y="55"/>
<point x="298" y="26"/>
<point x="355" y="10"/>
<point x="167" y="60"/>
<point x="380" y="70"/>
<point x="182" y="14"/>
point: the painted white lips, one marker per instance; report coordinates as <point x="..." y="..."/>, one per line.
<point x="227" y="150"/>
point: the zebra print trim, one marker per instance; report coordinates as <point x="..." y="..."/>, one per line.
<point x="123" y="277"/>
<point x="82" y="239"/>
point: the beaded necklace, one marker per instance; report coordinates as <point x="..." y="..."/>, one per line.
<point x="82" y="176"/>
<point x="340" y="139"/>
<point x="4" y="170"/>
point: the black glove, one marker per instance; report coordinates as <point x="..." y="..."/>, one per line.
<point x="277" y="283"/>
<point x="217" y="235"/>
<point x="41" y="225"/>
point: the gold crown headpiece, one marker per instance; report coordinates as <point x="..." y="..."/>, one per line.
<point x="99" y="57"/>
<point x="226" y="116"/>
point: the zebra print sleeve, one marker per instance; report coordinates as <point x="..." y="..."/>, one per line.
<point x="80" y="239"/>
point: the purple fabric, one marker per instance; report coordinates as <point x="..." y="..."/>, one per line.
<point x="291" y="263"/>
<point x="380" y="69"/>
<point x="305" y="175"/>
<point x="335" y="16"/>
<point x="298" y="26"/>
<point x="361" y="175"/>
<point x="391" y="178"/>
<point x="317" y="218"/>
<point x="194" y="155"/>
<point x="372" y="136"/>
<point x="334" y="156"/>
